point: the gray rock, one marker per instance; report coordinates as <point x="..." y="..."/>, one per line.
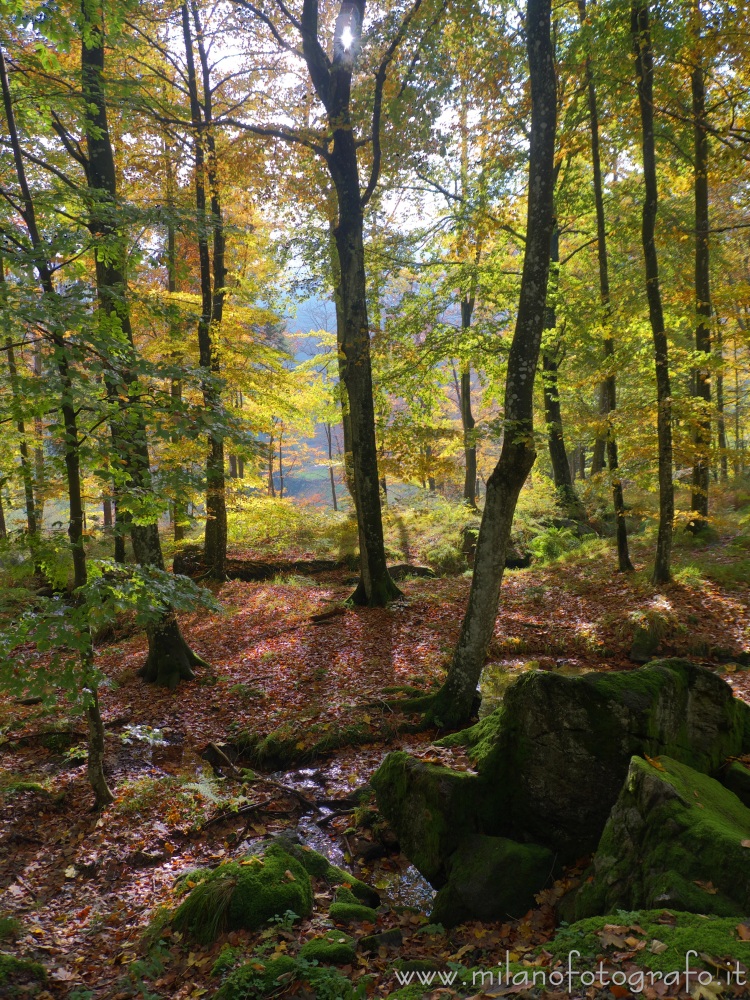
<point x="674" y="839"/>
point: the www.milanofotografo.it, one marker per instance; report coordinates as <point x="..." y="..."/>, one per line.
<point x="572" y="977"/>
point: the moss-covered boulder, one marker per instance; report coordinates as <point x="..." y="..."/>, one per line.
<point x="319" y="866"/>
<point x="432" y="809"/>
<point x="491" y="878"/>
<point x="334" y="948"/>
<point x="556" y="753"/>
<point x="261" y="978"/>
<point x="675" y="838"/>
<point x="245" y="894"/>
<point x="20" y="976"/>
<point x="352" y="913"/>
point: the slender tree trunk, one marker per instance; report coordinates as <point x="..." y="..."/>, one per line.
<point x="271" y="454"/>
<point x="178" y="508"/>
<point x="329" y="441"/>
<point x="3" y="525"/>
<point x="561" y="471"/>
<point x="608" y="391"/>
<point x="102" y="794"/>
<point x="106" y="512"/>
<point x="452" y="704"/>
<point x="721" y="422"/>
<point x="702" y="434"/>
<point x="170" y="659"/>
<point x="645" y="82"/>
<point x="212" y="299"/>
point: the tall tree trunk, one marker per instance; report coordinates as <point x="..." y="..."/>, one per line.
<point x="375" y="587"/>
<point x="702" y="434"/>
<point x="452" y="704"/>
<point x="179" y="513"/>
<point x="212" y="298"/>
<point x="102" y="794"/>
<point x="608" y="391"/>
<point x="721" y="421"/>
<point x="467" y="417"/>
<point x="169" y="659"/>
<point x="3" y="525"/>
<point x="561" y="473"/>
<point x="332" y="80"/>
<point x="645" y="82"/>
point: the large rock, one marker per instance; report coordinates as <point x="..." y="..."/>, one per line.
<point x="674" y="839"/>
<point x="492" y="878"/>
<point x="558" y="749"/>
<point x="552" y="759"/>
<point x="431" y="808"/>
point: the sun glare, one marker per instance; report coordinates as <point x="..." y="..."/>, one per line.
<point x="347" y="37"/>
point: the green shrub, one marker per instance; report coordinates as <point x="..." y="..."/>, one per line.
<point x="553" y="543"/>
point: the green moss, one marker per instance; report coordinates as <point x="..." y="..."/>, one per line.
<point x="258" y="979"/>
<point x="737" y="779"/>
<point x="350" y="913"/>
<point x="17" y="972"/>
<point x="320" y="867"/>
<point x="10" y="928"/>
<point x="344" y="895"/>
<point x="712" y="936"/>
<point x="334" y="948"/>
<point x="245" y="894"/>
<point x="674" y="837"/>
<point x="413" y="992"/>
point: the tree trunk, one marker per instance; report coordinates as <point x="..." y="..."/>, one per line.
<point x="106" y="512"/>
<point x="452" y="704"/>
<point x="561" y="473"/>
<point x="212" y="299"/>
<point x="702" y="433"/>
<point x="608" y="389"/>
<point x="3" y="525"/>
<point x="721" y="422"/>
<point x="645" y="83"/>
<point x="375" y="587"/>
<point x="329" y="441"/>
<point x="102" y="794"/>
<point x="166" y="645"/>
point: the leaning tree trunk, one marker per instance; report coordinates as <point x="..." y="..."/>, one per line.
<point x="702" y="433"/>
<point x="608" y="390"/>
<point x="72" y="456"/>
<point x="452" y="704"/>
<point x="644" y="58"/>
<point x="169" y="659"/>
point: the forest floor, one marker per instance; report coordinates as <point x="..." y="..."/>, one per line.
<point x="83" y="886"/>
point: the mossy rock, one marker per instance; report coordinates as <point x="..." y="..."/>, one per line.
<point x="334" y="948"/>
<point x="432" y="809"/>
<point x="18" y="975"/>
<point x="681" y="932"/>
<point x="344" y="895"/>
<point x="556" y="753"/>
<point x="319" y="866"/>
<point x="258" y="979"/>
<point x="351" y="913"/>
<point x="674" y="839"/>
<point x="492" y="878"/>
<point x="245" y="894"/>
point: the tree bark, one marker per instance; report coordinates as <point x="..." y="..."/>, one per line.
<point x="702" y="434"/>
<point x="452" y="704"/>
<point x="467" y="417"/>
<point x="644" y="57"/>
<point x="561" y="472"/>
<point x="167" y="658"/>
<point x="721" y="422"/>
<point x="212" y="298"/>
<point x="608" y="389"/>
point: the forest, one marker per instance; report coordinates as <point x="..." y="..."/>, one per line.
<point x="374" y="499"/>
